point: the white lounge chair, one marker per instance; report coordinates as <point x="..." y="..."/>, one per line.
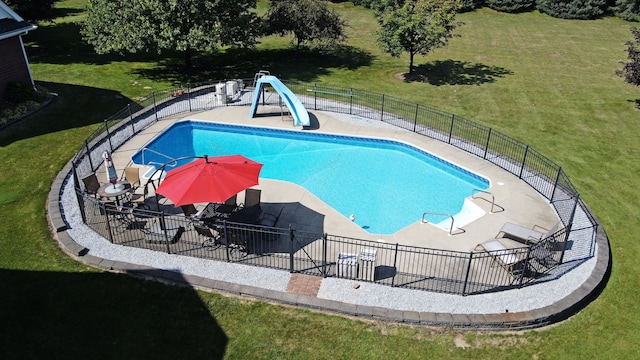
<point x="525" y="235"/>
<point x="507" y="258"/>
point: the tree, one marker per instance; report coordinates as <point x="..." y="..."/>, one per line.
<point x="186" y="25"/>
<point x="417" y="27"/>
<point x="33" y="10"/>
<point x="631" y="69"/>
<point x="308" y="20"/>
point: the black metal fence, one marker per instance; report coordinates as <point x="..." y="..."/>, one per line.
<point x="324" y="254"/>
<point x="332" y="255"/>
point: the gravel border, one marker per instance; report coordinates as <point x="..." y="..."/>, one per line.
<point x="573" y="285"/>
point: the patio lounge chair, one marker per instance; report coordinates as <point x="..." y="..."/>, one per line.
<point x="189" y="210"/>
<point x="138" y="200"/>
<point x="270" y="219"/>
<point x="162" y="231"/>
<point x="132" y="175"/>
<point x="252" y="197"/>
<point x="229" y="206"/>
<point x="525" y="235"/>
<point x="507" y="258"/>
<point x="216" y="210"/>
<point x="91" y="184"/>
<point x="211" y="237"/>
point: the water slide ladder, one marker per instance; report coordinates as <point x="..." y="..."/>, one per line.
<point x="298" y="111"/>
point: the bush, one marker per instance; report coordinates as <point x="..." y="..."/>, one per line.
<point x="364" y="3"/>
<point x="13" y="112"/>
<point x="511" y="6"/>
<point x="470" y="5"/>
<point x="19" y="92"/>
<point x="628" y="10"/>
<point x="21" y="98"/>
<point x="573" y="9"/>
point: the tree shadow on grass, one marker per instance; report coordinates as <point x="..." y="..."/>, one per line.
<point x="44" y="46"/>
<point x="75" y="107"/>
<point x="103" y="316"/>
<point x="289" y="63"/>
<point x="636" y="102"/>
<point x="59" y="13"/>
<point x="62" y="43"/>
<point x="453" y="72"/>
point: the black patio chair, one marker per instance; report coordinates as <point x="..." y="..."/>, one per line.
<point x="212" y="238"/>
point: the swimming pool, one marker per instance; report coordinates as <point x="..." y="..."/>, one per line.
<point x="387" y="185"/>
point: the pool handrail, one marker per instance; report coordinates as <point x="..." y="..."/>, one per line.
<point x="142" y="151"/>
<point x="424" y="221"/>
<point x="493" y="199"/>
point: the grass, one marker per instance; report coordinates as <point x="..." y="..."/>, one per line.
<point x="548" y="82"/>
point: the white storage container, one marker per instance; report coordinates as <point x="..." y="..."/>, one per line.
<point x="232" y="89"/>
<point x="368" y="260"/>
<point x="221" y="94"/>
<point x="347" y="266"/>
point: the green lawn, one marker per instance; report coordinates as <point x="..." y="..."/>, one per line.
<point x="548" y="82"/>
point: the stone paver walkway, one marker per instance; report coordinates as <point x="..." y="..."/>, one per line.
<point x="302" y="284"/>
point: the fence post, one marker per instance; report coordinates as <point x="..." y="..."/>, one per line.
<point x="453" y="117"/>
<point x="555" y="185"/>
<point x="76" y="188"/>
<point x="350" y="101"/>
<point x="155" y="110"/>
<point x="524" y="267"/>
<point x="315" y="96"/>
<point x="227" y="237"/>
<point x="163" y="225"/>
<point x="324" y="255"/>
<point x="466" y="276"/>
<point x="86" y="146"/>
<point x="564" y="240"/>
<point x="395" y="262"/>
<point x="486" y="147"/>
<point x="524" y="160"/>
<point x="104" y="207"/>
<point x="133" y="128"/>
<point x="106" y="126"/>
<point x="382" y="110"/>
<point x="189" y="95"/>
<point x="291" y="250"/>
<point x="415" y="120"/>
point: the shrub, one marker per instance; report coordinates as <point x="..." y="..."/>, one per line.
<point x="628" y="10"/>
<point x="470" y="5"/>
<point x="573" y="9"/>
<point x="364" y="3"/>
<point x="19" y="92"/>
<point x="13" y="112"/>
<point x="379" y="5"/>
<point x="511" y="6"/>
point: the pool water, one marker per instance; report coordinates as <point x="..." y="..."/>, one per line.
<point x="387" y="185"/>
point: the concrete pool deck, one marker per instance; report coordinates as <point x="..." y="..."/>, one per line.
<point x="509" y="191"/>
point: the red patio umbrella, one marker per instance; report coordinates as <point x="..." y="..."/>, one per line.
<point x="209" y="179"/>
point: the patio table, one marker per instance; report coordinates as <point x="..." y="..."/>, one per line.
<point x="116" y="192"/>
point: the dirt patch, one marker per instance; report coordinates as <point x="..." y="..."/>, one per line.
<point x="410" y="77"/>
<point x="460" y="342"/>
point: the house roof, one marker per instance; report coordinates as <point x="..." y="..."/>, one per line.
<point x="11" y="24"/>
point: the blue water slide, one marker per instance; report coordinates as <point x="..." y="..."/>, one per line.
<point x="298" y="111"/>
